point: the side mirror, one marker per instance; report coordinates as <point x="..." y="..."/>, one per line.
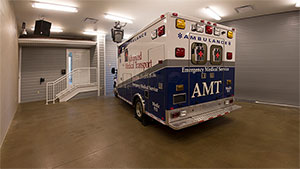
<point x="113" y="70"/>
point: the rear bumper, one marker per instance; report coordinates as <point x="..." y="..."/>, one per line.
<point x="190" y="121"/>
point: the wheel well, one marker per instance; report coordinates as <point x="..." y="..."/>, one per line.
<point x="135" y="99"/>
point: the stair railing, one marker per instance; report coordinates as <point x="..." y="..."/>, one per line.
<point x="76" y="78"/>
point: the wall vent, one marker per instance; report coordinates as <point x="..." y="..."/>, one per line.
<point x="89" y="20"/>
<point x="244" y="9"/>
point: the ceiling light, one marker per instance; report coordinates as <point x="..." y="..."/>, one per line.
<point x="212" y="13"/>
<point x="91" y="32"/>
<point x="53" y="29"/>
<point x="54" y="7"/>
<point x="297" y="4"/>
<point x="126" y="36"/>
<point x="118" y="18"/>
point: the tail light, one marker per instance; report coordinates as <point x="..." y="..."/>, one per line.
<point x="179" y="52"/>
<point x="162" y="16"/>
<point x="175" y="115"/>
<point x="175" y="14"/>
<point x="229" y="55"/>
<point x="208" y="29"/>
<point x="161" y="30"/>
<point x="178" y="114"/>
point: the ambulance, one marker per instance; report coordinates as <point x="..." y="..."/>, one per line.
<point x="178" y="70"/>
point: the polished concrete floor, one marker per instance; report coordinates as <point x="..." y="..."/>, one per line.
<point x="102" y="132"/>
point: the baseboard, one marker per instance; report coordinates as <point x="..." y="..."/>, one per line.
<point x="277" y="104"/>
<point x="2" y="141"/>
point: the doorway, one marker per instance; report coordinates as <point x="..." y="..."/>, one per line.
<point x="78" y="64"/>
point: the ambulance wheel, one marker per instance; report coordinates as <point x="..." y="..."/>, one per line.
<point x="116" y="94"/>
<point x="139" y="113"/>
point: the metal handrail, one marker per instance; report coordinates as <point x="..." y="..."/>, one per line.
<point x="56" y="87"/>
<point x="74" y="70"/>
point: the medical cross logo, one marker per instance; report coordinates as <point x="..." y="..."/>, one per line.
<point x="179" y="35"/>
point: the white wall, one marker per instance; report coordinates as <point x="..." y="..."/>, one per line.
<point x="8" y="67"/>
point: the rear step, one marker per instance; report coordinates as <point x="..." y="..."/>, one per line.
<point x="177" y="125"/>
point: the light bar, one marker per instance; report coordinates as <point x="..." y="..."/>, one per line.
<point x="212" y="13"/>
<point x="91" y="32"/>
<point x="54" y="7"/>
<point x="53" y="29"/>
<point x="118" y="18"/>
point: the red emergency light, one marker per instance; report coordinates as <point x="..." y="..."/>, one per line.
<point x="208" y="29"/>
<point x="161" y="30"/>
<point x="175" y="14"/>
<point x="229" y="55"/>
<point x="179" y="52"/>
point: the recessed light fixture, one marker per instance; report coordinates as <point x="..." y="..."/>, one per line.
<point x="212" y="13"/>
<point x="92" y="32"/>
<point x="118" y="18"/>
<point x="53" y="29"/>
<point x="54" y="7"/>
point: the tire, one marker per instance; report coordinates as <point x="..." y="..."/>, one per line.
<point x="116" y="93"/>
<point x="139" y="113"/>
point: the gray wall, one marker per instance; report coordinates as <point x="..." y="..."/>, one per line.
<point x="40" y="62"/>
<point x="8" y="67"/>
<point x="267" y="63"/>
<point x="111" y="61"/>
<point x="44" y="62"/>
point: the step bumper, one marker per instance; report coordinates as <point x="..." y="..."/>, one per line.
<point x="190" y="121"/>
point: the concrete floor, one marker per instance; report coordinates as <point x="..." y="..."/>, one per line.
<point x="102" y="132"/>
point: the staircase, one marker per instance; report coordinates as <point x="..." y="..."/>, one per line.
<point x="77" y="81"/>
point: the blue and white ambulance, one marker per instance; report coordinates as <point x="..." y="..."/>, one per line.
<point x="178" y="70"/>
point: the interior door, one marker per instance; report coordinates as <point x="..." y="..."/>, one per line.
<point x="78" y="61"/>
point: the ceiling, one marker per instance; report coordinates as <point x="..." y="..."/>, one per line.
<point x="143" y="12"/>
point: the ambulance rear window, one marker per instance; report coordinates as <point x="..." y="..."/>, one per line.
<point x="216" y="53"/>
<point x="199" y="53"/>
